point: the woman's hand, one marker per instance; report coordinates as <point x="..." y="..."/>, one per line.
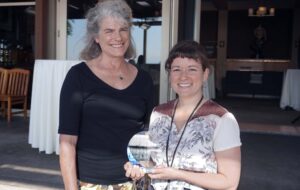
<point x="135" y="172"/>
<point x="166" y="173"/>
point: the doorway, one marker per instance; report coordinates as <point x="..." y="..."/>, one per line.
<point x="17" y="34"/>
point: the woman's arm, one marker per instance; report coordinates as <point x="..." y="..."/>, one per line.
<point x="67" y="159"/>
<point x="227" y="177"/>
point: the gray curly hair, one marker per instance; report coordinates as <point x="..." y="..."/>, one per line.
<point x="104" y="8"/>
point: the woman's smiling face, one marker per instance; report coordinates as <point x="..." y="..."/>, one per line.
<point x="113" y="37"/>
<point x="187" y="77"/>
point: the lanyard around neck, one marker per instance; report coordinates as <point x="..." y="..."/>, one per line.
<point x="186" y="123"/>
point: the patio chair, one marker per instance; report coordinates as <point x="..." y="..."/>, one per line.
<point x="3" y="86"/>
<point x="14" y="88"/>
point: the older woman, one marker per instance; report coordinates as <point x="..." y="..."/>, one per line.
<point x="199" y="139"/>
<point x="104" y="101"/>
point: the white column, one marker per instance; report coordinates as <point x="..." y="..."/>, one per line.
<point x="51" y="33"/>
<point x="197" y="20"/>
<point x="169" y="39"/>
<point x="61" y="29"/>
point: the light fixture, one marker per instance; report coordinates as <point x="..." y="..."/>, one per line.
<point x="143" y="3"/>
<point x="261" y="11"/>
<point x="30" y="10"/>
<point x="144" y="26"/>
<point x="73" y="6"/>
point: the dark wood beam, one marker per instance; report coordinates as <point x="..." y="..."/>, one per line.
<point x="40" y="29"/>
<point x="220" y="4"/>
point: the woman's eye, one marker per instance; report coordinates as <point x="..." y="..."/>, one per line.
<point x="175" y="70"/>
<point x="193" y="69"/>
<point x="124" y="29"/>
<point x="108" y="31"/>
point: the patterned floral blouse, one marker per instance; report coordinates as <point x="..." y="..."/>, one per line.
<point x="212" y="128"/>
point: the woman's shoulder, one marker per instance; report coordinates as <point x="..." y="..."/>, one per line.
<point x="212" y="107"/>
<point x="78" y="66"/>
<point x="165" y="108"/>
<point x="78" y="69"/>
<point x="143" y="74"/>
<point x="143" y="78"/>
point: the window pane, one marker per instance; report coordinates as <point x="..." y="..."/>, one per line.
<point x="153" y="45"/>
<point x="76" y="30"/>
<point x="137" y="35"/>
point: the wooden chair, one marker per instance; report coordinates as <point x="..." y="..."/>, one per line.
<point x="3" y="85"/>
<point x="14" y="88"/>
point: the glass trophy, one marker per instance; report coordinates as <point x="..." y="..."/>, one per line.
<point x="140" y="149"/>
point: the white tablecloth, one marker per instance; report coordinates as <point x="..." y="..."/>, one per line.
<point x="209" y="86"/>
<point x="48" y="77"/>
<point x="290" y="95"/>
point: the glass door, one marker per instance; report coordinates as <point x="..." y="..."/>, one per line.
<point x="17" y="34"/>
<point x="76" y="26"/>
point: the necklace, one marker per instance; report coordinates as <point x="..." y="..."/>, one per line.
<point x="185" y="125"/>
<point x="121" y="74"/>
<point x="168" y="139"/>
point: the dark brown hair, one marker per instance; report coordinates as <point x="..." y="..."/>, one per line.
<point x="188" y="49"/>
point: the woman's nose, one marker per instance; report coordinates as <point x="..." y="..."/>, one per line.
<point x="117" y="36"/>
<point x="183" y="74"/>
